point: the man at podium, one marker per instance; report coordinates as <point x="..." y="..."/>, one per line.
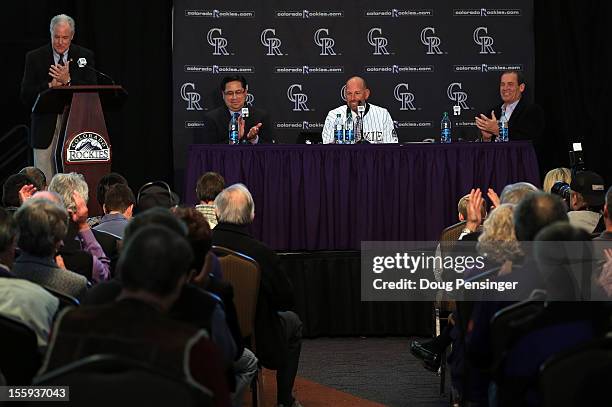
<point x="48" y="67"/>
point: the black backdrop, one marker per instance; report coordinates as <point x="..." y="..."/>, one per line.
<point x="420" y="59"/>
<point x="132" y="41"/>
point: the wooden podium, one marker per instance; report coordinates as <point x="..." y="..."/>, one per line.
<point x="85" y="144"/>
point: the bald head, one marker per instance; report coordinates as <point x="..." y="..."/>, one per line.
<point x="356" y="91"/>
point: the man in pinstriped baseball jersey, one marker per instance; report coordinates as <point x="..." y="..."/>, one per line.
<point x="377" y="122"/>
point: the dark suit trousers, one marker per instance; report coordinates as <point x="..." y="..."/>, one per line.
<point x="285" y="375"/>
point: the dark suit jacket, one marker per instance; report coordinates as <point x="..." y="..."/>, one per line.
<point x="45" y="272"/>
<point x="216" y="124"/>
<point x="36" y="79"/>
<point x="275" y="293"/>
<point x="527" y="121"/>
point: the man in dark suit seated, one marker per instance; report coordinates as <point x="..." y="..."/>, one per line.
<point x="278" y="330"/>
<point x="255" y="128"/>
<point x="154" y="267"/>
<point x="525" y="120"/>
<point x="50" y="67"/>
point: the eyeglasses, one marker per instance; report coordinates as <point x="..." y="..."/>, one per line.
<point x="231" y="93"/>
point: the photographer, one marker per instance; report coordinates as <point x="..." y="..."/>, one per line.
<point x="587" y="195"/>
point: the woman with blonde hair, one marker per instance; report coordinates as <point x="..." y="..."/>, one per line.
<point x="498" y="240"/>
<point x="554" y="175"/>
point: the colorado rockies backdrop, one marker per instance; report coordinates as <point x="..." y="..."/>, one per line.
<point x="420" y="59"/>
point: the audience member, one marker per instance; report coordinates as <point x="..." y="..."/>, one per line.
<point x="42" y="227"/>
<point x="278" y="331"/>
<point x="209" y="186"/>
<point x="154" y="267"/>
<point x="555" y="175"/>
<point x="587" y="198"/>
<point x="498" y="240"/>
<point x="82" y="253"/>
<point x="104" y="184"/>
<point x="156" y="194"/>
<point x="37" y="176"/>
<point x="118" y="206"/>
<point x="562" y="261"/>
<point x="10" y="191"/>
<point x="8" y="242"/>
<point x="607" y="217"/>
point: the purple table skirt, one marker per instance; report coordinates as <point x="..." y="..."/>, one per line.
<point x="332" y="197"/>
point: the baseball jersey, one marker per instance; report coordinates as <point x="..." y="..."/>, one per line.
<point x="377" y="124"/>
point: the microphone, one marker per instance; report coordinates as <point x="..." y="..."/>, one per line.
<point x="82" y="63"/>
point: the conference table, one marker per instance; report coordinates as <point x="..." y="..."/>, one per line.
<point x="317" y="203"/>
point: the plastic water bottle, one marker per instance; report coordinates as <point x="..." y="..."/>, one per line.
<point x="503" y="128"/>
<point x="349" y="130"/>
<point x="233" y="129"/>
<point x="339" y="129"/>
<point x="445" y="129"/>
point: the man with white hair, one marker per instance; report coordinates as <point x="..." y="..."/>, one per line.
<point x="81" y="251"/>
<point x="51" y="66"/>
<point x="278" y="330"/>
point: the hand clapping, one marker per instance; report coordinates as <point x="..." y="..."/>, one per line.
<point x="60" y="74"/>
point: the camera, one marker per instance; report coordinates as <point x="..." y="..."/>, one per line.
<point x="561" y="189"/>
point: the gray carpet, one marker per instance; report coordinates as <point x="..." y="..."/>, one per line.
<point x="377" y="369"/>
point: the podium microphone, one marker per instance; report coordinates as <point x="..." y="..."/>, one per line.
<point x="82" y="63"/>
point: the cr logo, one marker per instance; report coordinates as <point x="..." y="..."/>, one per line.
<point x="192" y="98"/>
<point x="432" y="41"/>
<point x="271" y="42"/>
<point x="460" y="97"/>
<point x="485" y="41"/>
<point x="299" y="99"/>
<point x="402" y="95"/>
<point x="219" y="43"/>
<point x="379" y="43"/>
<point x="326" y="43"/>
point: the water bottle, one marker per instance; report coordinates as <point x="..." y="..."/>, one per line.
<point x="445" y="129"/>
<point x="349" y="130"/>
<point x="339" y="129"/>
<point x="503" y="128"/>
<point x="358" y="128"/>
<point x="233" y="129"/>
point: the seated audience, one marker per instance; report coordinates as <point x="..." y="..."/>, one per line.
<point x="278" y="331"/>
<point x="42" y="227"/>
<point x="82" y="253"/>
<point x="192" y="306"/>
<point x="209" y="186"/>
<point x="22" y="300"/>
<point x="154" y="267"/>
<point x="199" y="235"/>
<point x="534" y="212"/>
